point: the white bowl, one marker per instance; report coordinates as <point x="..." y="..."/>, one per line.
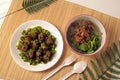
<point x="96" y="22"/>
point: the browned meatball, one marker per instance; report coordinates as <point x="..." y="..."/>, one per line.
<point x="49" y="41"/>
<point x="34" y="35"/>
<point x="27" y="39"/>
<point x="38" y="58"/>
<point x="41" y="36"/>
<point x="23" y="48"/>
<point x="38" y="53"/>
<point x="35" y="44"/>
<point x="47" y="53"/>
<point x="30" y="54"/>
<point x="45" y="58"/>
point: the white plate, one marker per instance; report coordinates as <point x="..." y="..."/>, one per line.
<point x="45" y="25"/>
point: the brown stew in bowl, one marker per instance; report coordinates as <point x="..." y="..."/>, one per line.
<point x="84" y="36"/>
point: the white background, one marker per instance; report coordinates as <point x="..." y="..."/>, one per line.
<point x="110" y="7"/>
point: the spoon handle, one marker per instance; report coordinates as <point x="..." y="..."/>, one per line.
<point x="67" y="75"/>
<point x="52" y="72"/>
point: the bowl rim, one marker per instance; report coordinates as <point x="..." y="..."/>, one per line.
<point x="75" y="18"/>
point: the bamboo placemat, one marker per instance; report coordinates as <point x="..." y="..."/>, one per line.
<point x="59" y="13"/>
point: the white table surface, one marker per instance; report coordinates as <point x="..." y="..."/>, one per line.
<point x="110" y="7"/>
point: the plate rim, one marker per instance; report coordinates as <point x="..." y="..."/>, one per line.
<point x="28" y="22"/>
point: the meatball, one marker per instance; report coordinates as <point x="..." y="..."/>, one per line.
<point x="34" y="35"/>
<point x="23" y="48"/>
<point x="35" y="44"/>
<point x="41" y="36"/>
<point x="27" y="39"/>
<point x="30" y="54"/>
<point x="49" y="41"/>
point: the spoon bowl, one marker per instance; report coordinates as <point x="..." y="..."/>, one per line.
<point x="79" y="67"/>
